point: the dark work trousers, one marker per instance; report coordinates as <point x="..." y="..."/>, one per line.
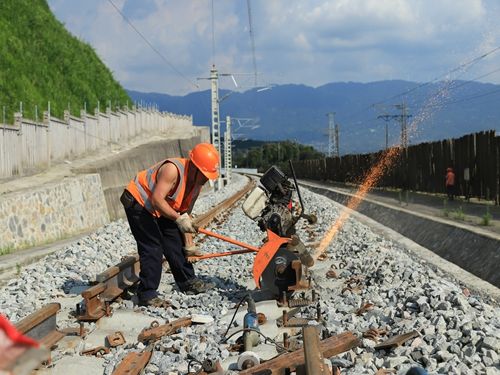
<point x="157" y="238"/>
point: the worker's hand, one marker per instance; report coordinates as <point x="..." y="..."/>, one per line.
<point x="185" y="224"/>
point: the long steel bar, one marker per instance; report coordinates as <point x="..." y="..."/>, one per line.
<point x="42" y="325"/>
<point x="314" y="362"/>
<point x="112" y="283"/>
<point x="331" y="346"/>
<point x="115" y="280"/>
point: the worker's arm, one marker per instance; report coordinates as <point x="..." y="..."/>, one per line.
<point x="166" y="179"/>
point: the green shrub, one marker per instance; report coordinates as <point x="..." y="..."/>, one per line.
<point x="40" y="61"/>
<point x="486" y="218"/>
<point x="446" y="211"/>
<point x="459" y="214"/>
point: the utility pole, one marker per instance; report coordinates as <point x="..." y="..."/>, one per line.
<point x="228" y="158"/>
<point x="333" y="136"/>
<point x="337" y="141"/>
<point x="387" y="118"/>
<point x="404" y="128"/>
<point x="402" y="119"/>
<point x="214" y="80"/>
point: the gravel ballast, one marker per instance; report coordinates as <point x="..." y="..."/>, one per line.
<point x="458" y="333"/>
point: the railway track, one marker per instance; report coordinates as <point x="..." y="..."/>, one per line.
<point x="342" y="312"/>
<point x="97" y="300"/>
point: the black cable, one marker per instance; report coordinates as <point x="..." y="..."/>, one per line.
<point x="151" y="46"/>
<point x="266" y="338"/>
<point x="194" y="360"/>
<point x="232" y="319"/>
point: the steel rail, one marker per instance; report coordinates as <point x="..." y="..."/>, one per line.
<point x="110" y="284"/>
<point x="115" y="281"/>
<point x="42" y="325"/>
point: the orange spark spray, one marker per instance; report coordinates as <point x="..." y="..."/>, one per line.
<point x="371" y="179"/>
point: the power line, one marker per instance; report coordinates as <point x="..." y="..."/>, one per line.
<point x="455" y="69"/>
<point x="153" y="47"/>
<point x="459" y="67"/>
<point x="464" y="99"/>
<point x="457" y="84"/>
<point x="252" y="40"/>
<point x="213" y="33"/>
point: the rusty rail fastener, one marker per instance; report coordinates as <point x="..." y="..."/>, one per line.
<point x="98" y="351"/>
<point x="156" y="331"/>
<point x="374" y="334"/>
<point x="364" y="308"/>
<point x="115" y="339"/>
<point x="286" y="340"/>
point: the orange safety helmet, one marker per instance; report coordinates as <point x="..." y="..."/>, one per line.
<point x="206" y="159"/>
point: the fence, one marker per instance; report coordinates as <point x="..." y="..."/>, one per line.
<point x="28" y="145"/>
<point x="475" y="159"/>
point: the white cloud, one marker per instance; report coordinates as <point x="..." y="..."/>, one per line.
<point x="311" y="42"/>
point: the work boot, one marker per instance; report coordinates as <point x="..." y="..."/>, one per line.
<point x="155" y="302"/>
<point x="192" y="251"/>
<point x="196" y="286"/>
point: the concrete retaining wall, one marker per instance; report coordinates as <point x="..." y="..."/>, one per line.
<point x="51" y="212"/>
<point x="476" y="252"/>
<point x="118" y="170"/>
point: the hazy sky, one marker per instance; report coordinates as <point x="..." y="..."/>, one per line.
<point x="296" y="41"/>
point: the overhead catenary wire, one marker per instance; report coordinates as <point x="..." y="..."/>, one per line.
<point x="177" y="71"/>
<point x="453" y="70"/>
<point x="213" y="31"/>
<point x="252" y="41"/>
<point x="459" y="67"/>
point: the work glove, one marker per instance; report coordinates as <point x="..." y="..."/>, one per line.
<point x="192" y="251"/>
<point x="185" y="224"/>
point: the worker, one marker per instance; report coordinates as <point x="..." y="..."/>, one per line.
<point x="450" y="183"/>
<point x="158" y="203"/>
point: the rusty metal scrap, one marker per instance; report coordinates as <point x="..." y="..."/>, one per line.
<point x="364" y="308"/>
<point x="115" y="339"/>
<point x="97" y="351"/>
<point x="353" y="284"/>
<point x="314" y="361"/>
<point x="42" y="325"/>
<point x="330" y="347"/>
<point x="156" y="331"/>
<point x="75" y="331"/>
<point x="374" y="334"/>
<point x="397" y="340"/>
<point x="111" y="284"/>
<point x="331" y="274"/>
<point x="133" y="363"/>
<point x="297" y="302"/>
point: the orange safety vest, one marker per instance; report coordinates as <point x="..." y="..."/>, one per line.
<point x="450" y="178"/>
<point x="179" y="198"/>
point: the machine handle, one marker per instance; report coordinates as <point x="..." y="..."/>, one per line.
<point x="228" y="239"/>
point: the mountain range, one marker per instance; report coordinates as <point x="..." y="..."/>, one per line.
<point x="438" y="110"/>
